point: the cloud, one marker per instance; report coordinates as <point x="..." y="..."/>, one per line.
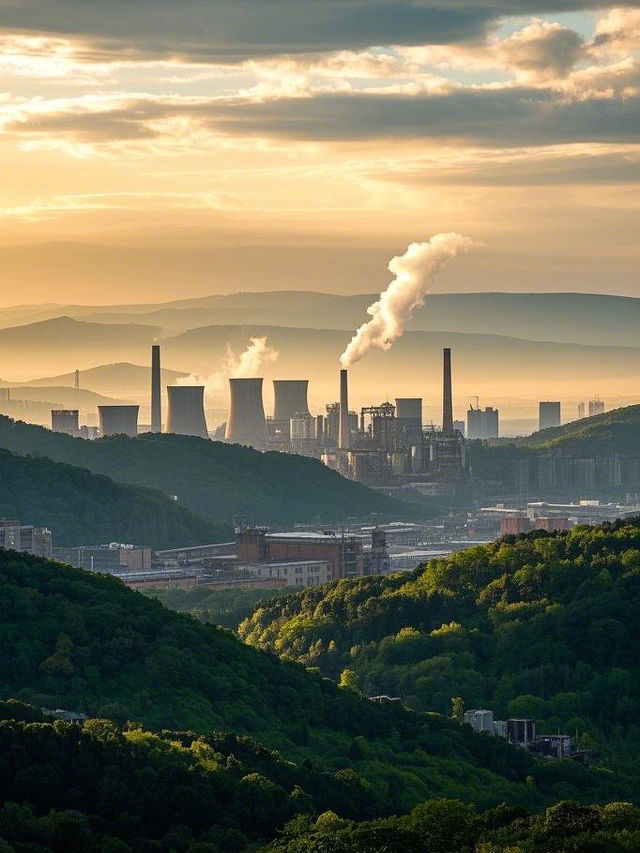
<point x="560" y="165"/>
<point x="210" y="30"/>
<point x="506" y="117"/>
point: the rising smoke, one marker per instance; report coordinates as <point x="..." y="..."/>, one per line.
<point x="414" y="273"/>
<point x="247" y="364"/>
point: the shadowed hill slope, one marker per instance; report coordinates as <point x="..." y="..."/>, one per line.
<point x="82" y="508"/>
<point x="213" y="479"/>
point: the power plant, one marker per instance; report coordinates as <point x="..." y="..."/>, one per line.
<point x="156" y="402"/>
<point x="118" y="420"/>
<point x="385" y="445"/>
<point x="185" y="414"/>
<point x="247" y="423"/>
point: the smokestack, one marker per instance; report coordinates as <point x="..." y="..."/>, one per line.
<point x="156" y="405"/>
<point x="447" y="405"/>
<point x="118" y="420"/>
<point x="246" y="423"/>
<point x="77" y="379"/>
<point x="185" y="415"/>
<point x="344" y="437"/>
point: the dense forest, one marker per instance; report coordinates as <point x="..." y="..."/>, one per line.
<point x="82" y="508"/>
<point x="85" y="642"/>
<point x="213" y="479"/>
<point x="95" y="787"/>
<point x="543" y="625"/>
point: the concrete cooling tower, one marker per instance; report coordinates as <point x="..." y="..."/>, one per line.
<point x="290" y="398"/>
<point x="185" y="414"/>
<point x="118" y="420"/>
<point x="246" y="423"/>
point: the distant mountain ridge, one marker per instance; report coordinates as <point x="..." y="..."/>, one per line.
<point x="595" y="319"/>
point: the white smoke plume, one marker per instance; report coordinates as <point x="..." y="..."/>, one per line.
<point x="414" y="273"/>
<point x="247" y="364"/>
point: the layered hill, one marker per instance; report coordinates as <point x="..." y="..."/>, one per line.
<point x="108" y="379"/>
<point x="218" y="481"/>
<point x="599" y="319"/>
<point x="617" y="431"/>
<point x="544" y="626"/>
<point x="82" y="508"/>
<point x="85" y="642"/>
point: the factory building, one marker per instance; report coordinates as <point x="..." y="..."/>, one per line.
<point x="65" y="421"/>
<point x="118" y="420"/>
<point x="292" y="573"/>
<point x="343" y="554"/>
<point x="548" y="414"/>
<point x="15" y="536"/>
<point x="112" y="559"/>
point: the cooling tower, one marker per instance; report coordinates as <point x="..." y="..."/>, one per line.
<point x="290" y="398"/>
<point x="156" y="405"/>
<point x="185" y="415"/>
<point x="118" y="420"/>
<point x="447" y="405"/>
<point x="65" y="420"/>
<point x="344" y="438"/>
<point x="246" y="423"/>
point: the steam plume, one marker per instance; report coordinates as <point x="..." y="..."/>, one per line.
<point x="414" y="273"/>
<point x="247" y="364"/>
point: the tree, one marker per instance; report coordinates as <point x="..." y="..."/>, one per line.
<point x="457" y="708"/>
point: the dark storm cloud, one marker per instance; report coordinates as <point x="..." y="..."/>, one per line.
<point x="509" y="117"/>
<point x="238" y="29"/>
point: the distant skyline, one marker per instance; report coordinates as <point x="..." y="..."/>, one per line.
<point x="154" y="150"/>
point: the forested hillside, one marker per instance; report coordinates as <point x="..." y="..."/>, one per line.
<point x="74" y="640"/>
<point x="545" y="625"/>
<point x="617" y="431"/>
<point x="213" y="479"/>
<point x="82" y="508"/>
<point x="95" y="787"/>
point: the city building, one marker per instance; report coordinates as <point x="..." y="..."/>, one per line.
<point x="480" y="719"/>
<point x="112" y="559"/>
<point x="461" y="427"/>
<point x="65" y="421"/>
<point x="482" y="423"/>
<point x="548" y="414"/>
<point x="521" y="732"/>
<point x="24" y="537"/>
<point x="596" y="407"/>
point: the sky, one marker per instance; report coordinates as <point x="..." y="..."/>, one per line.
<point x="227" y="132"/>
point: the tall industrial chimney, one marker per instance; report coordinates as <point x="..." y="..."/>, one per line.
<point x="246" y="423"/>
<point x="447" y="405"/>
<point x="185" y="415"/>
<point x="344" y="437"/>
<point x="156" y="405"/>
<point x="118" y="420"/>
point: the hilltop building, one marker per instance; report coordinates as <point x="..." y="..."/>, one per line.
<point x="24" y="537"/>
